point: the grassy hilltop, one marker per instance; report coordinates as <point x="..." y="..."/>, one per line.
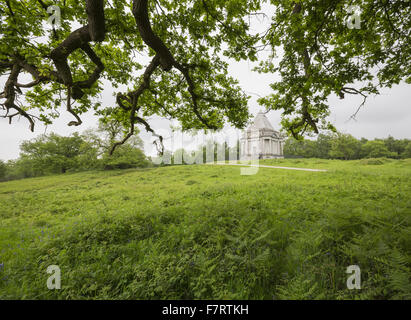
<point x="206" y="232"/>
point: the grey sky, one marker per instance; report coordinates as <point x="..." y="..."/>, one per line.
<point x="383" y="115"/>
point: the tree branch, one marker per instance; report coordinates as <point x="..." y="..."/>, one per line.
<point x="10" y="96"/>
<point x="132" y="97"/>
<point x="140" y="12"/>
<point x="96" y="20"/>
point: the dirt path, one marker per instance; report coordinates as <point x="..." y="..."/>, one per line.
<point x="273" y="167"/>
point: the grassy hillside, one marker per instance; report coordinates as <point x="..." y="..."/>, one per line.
<point x="203" y="231"/>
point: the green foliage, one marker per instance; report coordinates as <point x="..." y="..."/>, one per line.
<point x="210" y="233"/>
<point x="125" y="157"/>
<point x="54" y="154"/>
<point x="345" y="146"/>
<point x="316" y="55"/>
<point x="407" y="151"/>
<point x="182" y="156"/>
<point x="109" y="131"/>
<point x="200" y="35"/>
<point x="300" y="148"/>
<point x="396" y="146"/>
<point x="3" y="170"/>
<point x="376" y="149"/>
<point x="50" y="154"/>
<point x="323" y="145"/>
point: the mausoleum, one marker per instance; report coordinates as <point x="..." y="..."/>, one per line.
<point x="261" y="141"/>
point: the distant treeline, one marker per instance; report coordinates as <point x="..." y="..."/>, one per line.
<point x="347" y="147"/>
<point x="54" y="154"/>
<point x="326" y="146"/>
<point x="211" y="151"/>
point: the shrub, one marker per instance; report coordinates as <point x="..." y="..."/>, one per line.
<point x="125" y="157"/>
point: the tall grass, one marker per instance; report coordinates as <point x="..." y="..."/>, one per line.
<point x="206" y="232"/>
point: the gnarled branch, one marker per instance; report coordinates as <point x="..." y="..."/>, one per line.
<point x="140" y="12"/>
<point x="132" y="97"/>
<point x="10" y="96"/>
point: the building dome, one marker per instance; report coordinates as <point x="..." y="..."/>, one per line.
<point x="261" y="123"/>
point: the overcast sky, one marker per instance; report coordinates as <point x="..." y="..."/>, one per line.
<point x="383" y="115"/>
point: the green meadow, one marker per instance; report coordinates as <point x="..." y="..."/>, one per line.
<point x="207" y="232"/>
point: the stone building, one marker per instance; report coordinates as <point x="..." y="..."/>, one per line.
<point x="261" y="141"/>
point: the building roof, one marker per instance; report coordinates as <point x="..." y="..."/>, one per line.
<point x="261" y="123"/>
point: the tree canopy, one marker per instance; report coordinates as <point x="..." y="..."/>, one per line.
<point x="324" y="52"/>
<point x="171" y="55"/>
